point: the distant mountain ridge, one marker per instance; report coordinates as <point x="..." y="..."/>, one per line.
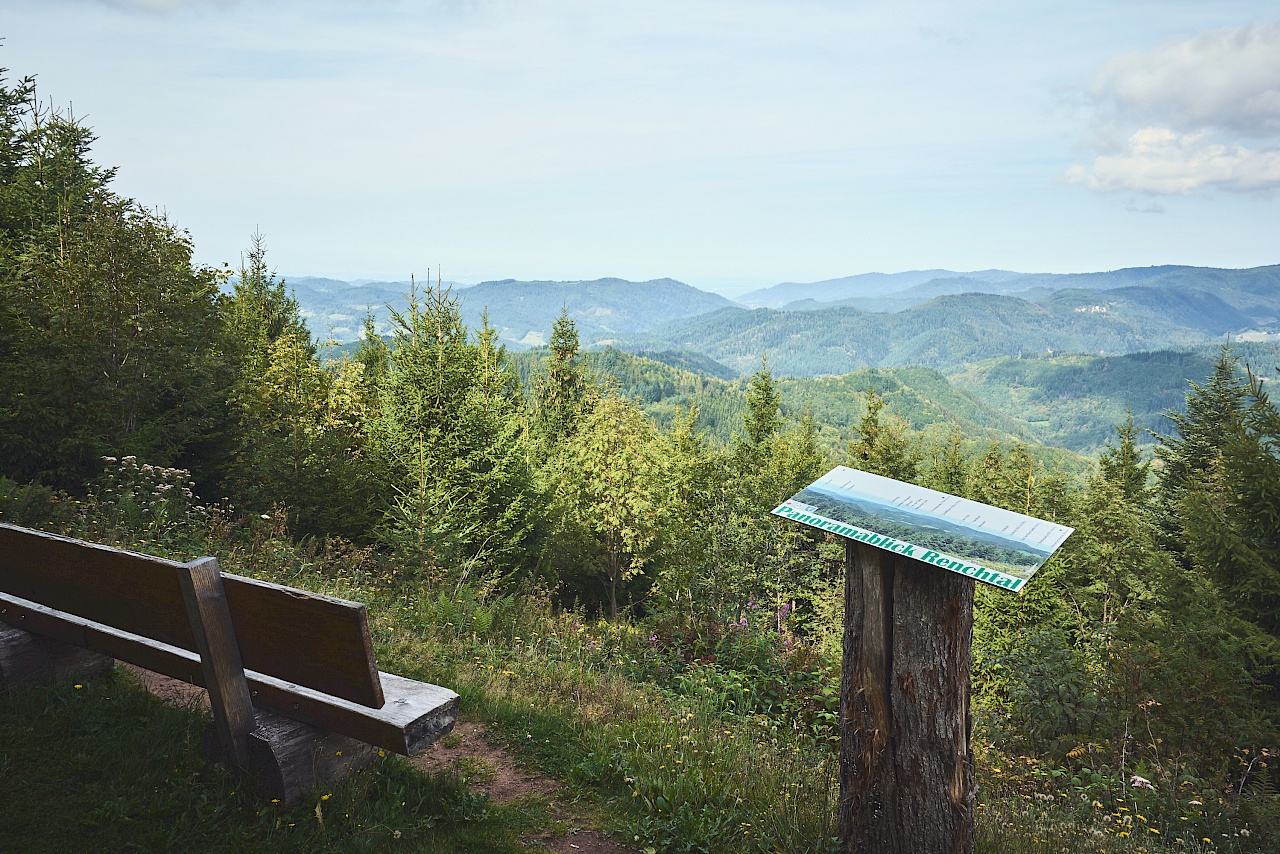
<point x="862" y="285"/>
<point x="933" y="318"/>
<point x="944" y="332"/>
<point x="521" y="311"/>
<point x="1255" y="290"/>
<point x="602" y="309"/>
<point x="1153" y="308"/>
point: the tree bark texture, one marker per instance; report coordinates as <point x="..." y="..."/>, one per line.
<point x="906" y="771"/>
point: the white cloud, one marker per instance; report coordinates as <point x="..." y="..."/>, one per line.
<point x="1199" y="113"/>
<point x="1227" y="79"/>
<point x="1160" y="161"/>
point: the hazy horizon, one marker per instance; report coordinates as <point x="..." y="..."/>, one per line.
<point x="729" y="145"/>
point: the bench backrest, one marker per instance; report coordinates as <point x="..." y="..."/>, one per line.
<point x="315" y="641"/>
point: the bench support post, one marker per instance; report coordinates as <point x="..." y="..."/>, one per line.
<point x="290" y="757"/>
<point x="215" y="638"/>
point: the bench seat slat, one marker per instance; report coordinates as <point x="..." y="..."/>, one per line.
<point x="293" y="635"/>
<point x="414" y="714"/>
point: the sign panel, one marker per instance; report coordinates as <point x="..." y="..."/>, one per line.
<point x="996" y="546"/>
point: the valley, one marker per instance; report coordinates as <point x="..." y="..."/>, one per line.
<point x="1051" y="359"/>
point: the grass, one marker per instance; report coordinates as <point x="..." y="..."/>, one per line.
<point x="105" y="766"/>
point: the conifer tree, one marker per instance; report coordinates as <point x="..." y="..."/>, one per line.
<point x="373" y="356"/>
<point x="948" y="469"/>
<point x="882" y="445"/>
<point x="1016" y="481"/>
<point x="756" y="556"/>
<point x="298" y="439"/>
<point x="564" y="391"/>
<point x="1230" y="520"/>
<point x="762" y="419"/>
<point x="111" y="345"/>
<point x="448" y="446"/>
<point x="695" y="477"/>
<point x="1192" y="449"/>
<point x="761" y="422"/>
<point x="108" y="333"/>
<point x="1123" y="465"/>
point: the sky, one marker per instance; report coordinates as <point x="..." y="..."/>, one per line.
<point x="730" y="144"/>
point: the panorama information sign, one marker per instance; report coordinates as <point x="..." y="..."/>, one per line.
<point x="996" y="546"/>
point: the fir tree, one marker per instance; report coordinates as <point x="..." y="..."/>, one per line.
<point x="763" y="418"/>
<point x="882" y="445"/>
<point x="1231" y="523"/>
<point x="449" y="448"/>
<point x="564" y="391"/>
<point x="610" y="490"/>
<point x="948" y="469"/>
<point x="1123" y="465"/>
<point x="1194" y="446"/>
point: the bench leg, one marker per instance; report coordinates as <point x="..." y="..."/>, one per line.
<point x="25" y="657"/>
<point x="289" y="758"/>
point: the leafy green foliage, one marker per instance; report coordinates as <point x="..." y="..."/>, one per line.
<point x="610" y="485"/>
<point x="882" y="446"/>
<point x="299" y="438"/>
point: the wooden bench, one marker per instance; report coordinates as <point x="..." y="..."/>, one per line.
<point x="297" y="699"/>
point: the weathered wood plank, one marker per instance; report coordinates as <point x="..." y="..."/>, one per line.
<point x="27" y="658"/>
<point x="220" y="663"/>
<point x="414" y="715"/>
<point x="289" y="758"/>
<point x="305" y="637"/>
<point x="933" y="633"/>
<point x="906" y="773"/>
<point x="290" y="634"/>
<point x="868" y="797"/>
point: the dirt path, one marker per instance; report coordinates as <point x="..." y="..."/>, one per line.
<point x="492" y="770"/>
<point x="489" y="768"/>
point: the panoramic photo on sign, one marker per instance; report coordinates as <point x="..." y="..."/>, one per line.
<point x="997" y="546"/>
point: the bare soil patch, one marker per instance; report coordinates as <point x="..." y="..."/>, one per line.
<point x="492" y="771"/>
<point x="171" y="690"/>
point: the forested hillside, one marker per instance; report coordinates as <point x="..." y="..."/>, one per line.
<point x="942" y="333"/>
<point x="1073" y="401"/>
<point x="582" y="543"/>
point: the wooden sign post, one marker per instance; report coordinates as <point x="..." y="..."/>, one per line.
<point x="906" y="772"/>
<point x="912" y="559"/>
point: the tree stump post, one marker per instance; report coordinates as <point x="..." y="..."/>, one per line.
<point x="906" y="771"/>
